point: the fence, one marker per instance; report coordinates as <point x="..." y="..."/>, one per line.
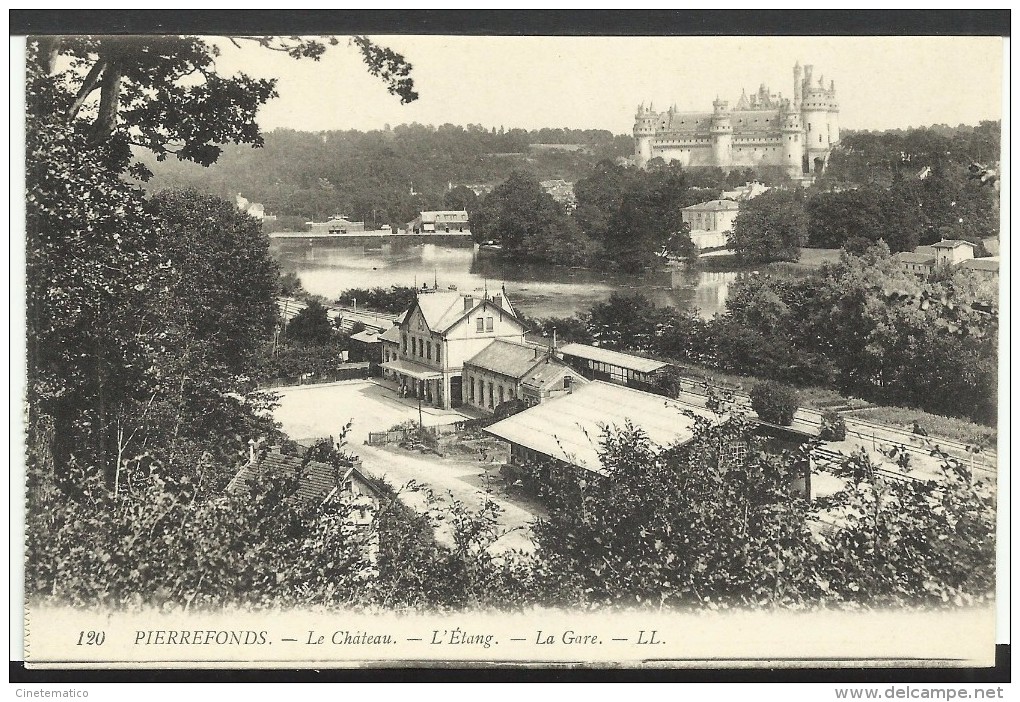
<point x="393" y="436"/>
<point x="347" y="371"/>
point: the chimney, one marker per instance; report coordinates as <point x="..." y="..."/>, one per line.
<point x="498" y="301"/>
<point x="469" y="302"/>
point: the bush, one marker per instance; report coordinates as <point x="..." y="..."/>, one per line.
<point x="774" y="403"/>
<point x="833" y="426"/>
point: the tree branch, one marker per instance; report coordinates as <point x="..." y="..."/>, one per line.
<point x="109" y="102"/>
<point x="89" y="85"/>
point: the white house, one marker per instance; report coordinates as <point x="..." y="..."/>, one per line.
<point x="441" y="331"/>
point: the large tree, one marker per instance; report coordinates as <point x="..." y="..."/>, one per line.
<point x="529" y="224"/>
<point x="163" y="93"/>
<point x="131" y="305"/>
<point x="771" y="227"/>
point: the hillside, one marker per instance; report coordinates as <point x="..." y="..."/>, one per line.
<point x="370" y="176"/>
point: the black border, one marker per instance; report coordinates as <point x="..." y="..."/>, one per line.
<point x="521" y="23"/>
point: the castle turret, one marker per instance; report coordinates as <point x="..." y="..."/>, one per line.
<point x="644" y="132"/>
<point x="797" y="86"/>
<point x="814" y="115"/>
<point x="722" y="133"/>
<point x="793" y="144"/>
<point x="833" y="114"/>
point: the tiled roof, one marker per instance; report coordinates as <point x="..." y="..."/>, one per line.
<point x="907" y="257"/>
<point x="549" y="371"/>
<point x="513" y="360"/>
<point x="444" y="309"/>
<point x="570" y="428"/>
<point x="316" y="479"/>
<point x="981" y="264"/>
<point x="713" y="206"/>
<point x="613" y="358"/>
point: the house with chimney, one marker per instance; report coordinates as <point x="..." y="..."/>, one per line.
<point x="438" y="334"/>
<point x="315" y="484"/>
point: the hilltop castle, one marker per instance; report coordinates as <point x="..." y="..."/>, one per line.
<point x="763" y="129"/>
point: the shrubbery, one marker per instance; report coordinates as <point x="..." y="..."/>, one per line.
<point x="833" y="426"/>
<point x="774" y="403"/>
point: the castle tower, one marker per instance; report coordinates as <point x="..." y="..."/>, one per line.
<point x="793" y="144"/>
<point x="644" y="132"/>
<point x="814" y="116"/>
<point x="722" y="134"/>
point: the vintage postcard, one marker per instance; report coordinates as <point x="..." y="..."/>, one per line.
<point x="664" y="352"/>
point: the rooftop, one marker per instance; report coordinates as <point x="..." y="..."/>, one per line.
<point x="446" y="215"/>
<point x="952" y="244"/>
<point x="713" y="206"/>
<point x="367" y="336"/>
<point x="613" y="358"/>
<point x="570" y="428"/>
<point x="392" y="335"/>
<point x="505" y="358"/>
<point x="547" y="372"/>
<point x="907" y="257"/>
<point x="990" y="263"/>
<point x="317" y="479"/>
<point x="444" y="309"/>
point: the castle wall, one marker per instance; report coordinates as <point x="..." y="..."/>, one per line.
<point x="687" y="154"/>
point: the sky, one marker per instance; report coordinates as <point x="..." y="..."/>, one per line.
<point x="597" y="82"/>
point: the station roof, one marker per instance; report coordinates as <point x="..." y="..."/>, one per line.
<point x="570" y="428"/>
<point x="612" y="358"/>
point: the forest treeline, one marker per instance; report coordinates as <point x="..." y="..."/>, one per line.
<point x="386" y="176"/>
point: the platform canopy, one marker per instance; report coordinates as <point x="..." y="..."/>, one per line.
<point x="414" y="370"/>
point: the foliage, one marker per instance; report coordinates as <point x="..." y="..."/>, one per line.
<point x="162" y="542"/>
<point x="383" y="176"/>
<point x="980" y="435"/>
<point x="163" y="93"/>
<point x="529" y="224"/>
<point x="393" y="300"/>
<point x="285" y="223"/>
<point x="774" y="403"/>
<point x="865" y="157"/>
<point x="567" y="329"/>
<point x="668" y="382"/>
<point x="693" y="526"/>
<point x="634" y="214"/>
<point x="290" y="285"/>
<point x="311" y="325"/>
<point x="771" y="227"/>
<point x="928" y="543"/>
<point x="833" y="426"/>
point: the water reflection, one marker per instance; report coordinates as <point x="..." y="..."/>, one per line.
<point x="328" y="268"/>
